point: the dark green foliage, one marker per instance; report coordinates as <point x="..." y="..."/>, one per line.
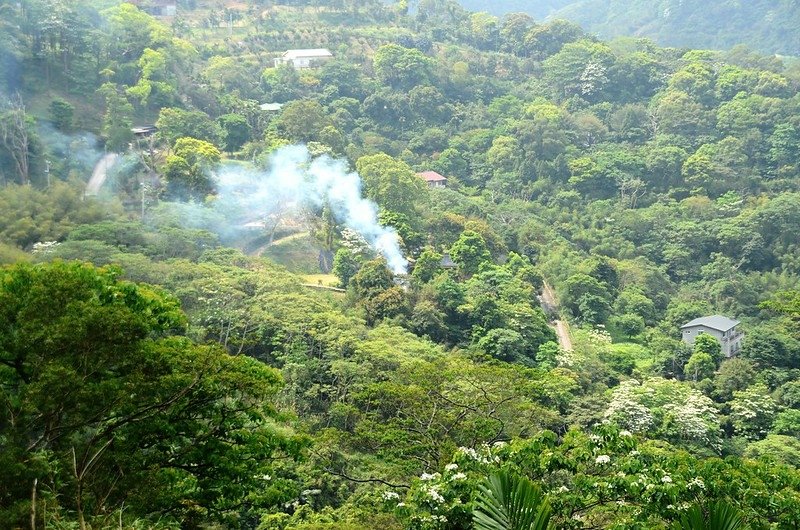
<point x="708" y="345"/>
<point x="469" y="252"/>
<point x="427" y="266"/>
<point x="118" y="118"/>
<point x="235" y="131"/>
<point x="647" y="186"/>
<point x="188" y="170"/>
<point x="106" y="407"/>
<point x="62" y="114"/>
<point x="345" y="266"/>
<point x="175" y="123"/>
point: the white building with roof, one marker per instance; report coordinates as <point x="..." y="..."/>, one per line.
<point x="304" y="58"/>
<point x="722" y="328"/>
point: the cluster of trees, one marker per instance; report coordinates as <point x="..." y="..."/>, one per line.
<point x="763" y="26"/>
<point x="649" y="186"/>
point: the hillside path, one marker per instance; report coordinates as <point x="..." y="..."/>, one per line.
<point x="561" y="326"/>
<point x="100" y="173"/>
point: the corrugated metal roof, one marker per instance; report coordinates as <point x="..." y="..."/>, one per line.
<point x="717" y="322"/>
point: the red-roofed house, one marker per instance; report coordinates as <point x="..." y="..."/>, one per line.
<point x="434" y="179"/>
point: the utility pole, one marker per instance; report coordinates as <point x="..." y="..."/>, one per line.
<point x="145" y="189"/>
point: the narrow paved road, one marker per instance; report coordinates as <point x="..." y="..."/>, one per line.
<point x="562" y="328"/>
<point x="100" y="173"/>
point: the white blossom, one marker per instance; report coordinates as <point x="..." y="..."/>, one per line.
<point x="459" y="476"/>
<point x="433" y="493"/>
<point x="625" y="409"/>
<point x="44" y="247"/>
<point x="390" y="496"/>
<point x="602" y="459"/>
<point x="696" y="482"/>
<point x="451" y="467"/>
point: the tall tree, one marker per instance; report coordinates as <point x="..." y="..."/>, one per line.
<point x="103" y="405"/>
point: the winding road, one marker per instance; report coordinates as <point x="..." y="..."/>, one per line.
<point x="100" y="173"/>
<point x="561" y="326"/>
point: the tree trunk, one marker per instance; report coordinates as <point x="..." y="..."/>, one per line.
<point x="33" y="504"/>
<point x="14" y="137"/>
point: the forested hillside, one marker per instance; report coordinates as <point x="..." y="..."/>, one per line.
<point x="770" y="27"/>
<point x="538" y="9"/>
<point x="261" y="315"/>
<point x="763" y="25"/>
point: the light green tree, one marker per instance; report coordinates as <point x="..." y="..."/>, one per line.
<point x="391" y="183"/>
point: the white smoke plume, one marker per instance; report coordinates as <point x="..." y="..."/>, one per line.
<point x="296" y="179"/>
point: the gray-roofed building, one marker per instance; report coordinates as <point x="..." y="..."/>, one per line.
<point x="447" y="262"/>
<point x="722" y="328"/>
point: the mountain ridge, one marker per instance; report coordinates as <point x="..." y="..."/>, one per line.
<point x="765" y="26"/>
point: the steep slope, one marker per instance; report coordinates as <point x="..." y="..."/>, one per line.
<point x="539" y="9"/>
<point x="765" y="25"/>
<point x="768" y="26"/>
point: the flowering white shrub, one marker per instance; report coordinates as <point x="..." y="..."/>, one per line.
<point x="390" y="496"/>
<point x="44" y="247"/>
<point x="675" y="411"/>
<point x="626" y="411"/>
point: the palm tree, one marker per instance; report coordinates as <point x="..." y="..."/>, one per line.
<point x="717" y="516"/>
<point x="506" y="502"/>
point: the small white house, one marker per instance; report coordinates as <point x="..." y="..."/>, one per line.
<point x="722" y="328"/>
<point x="271" y="107"/>
<point x="304" y="58"/>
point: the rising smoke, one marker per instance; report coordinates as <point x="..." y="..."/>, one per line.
<point x="293" y="180"/>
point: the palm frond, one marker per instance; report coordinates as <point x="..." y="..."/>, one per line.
<point x="506" y="502"/>
<point x="718" y="516"/>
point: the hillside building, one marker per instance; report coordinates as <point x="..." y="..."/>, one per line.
<point x="434" y="179"/>
<point x="724" y="329"/>
<point x="157" y="8"/>
<point x="304" y="58"/>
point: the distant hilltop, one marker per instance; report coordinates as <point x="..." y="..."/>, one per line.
<point x="763" y="25"/>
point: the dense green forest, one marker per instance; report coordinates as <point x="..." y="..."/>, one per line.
<point x="539" y="9"/>
<point x="227" y="299"/>
<point x="764" y="25"/>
